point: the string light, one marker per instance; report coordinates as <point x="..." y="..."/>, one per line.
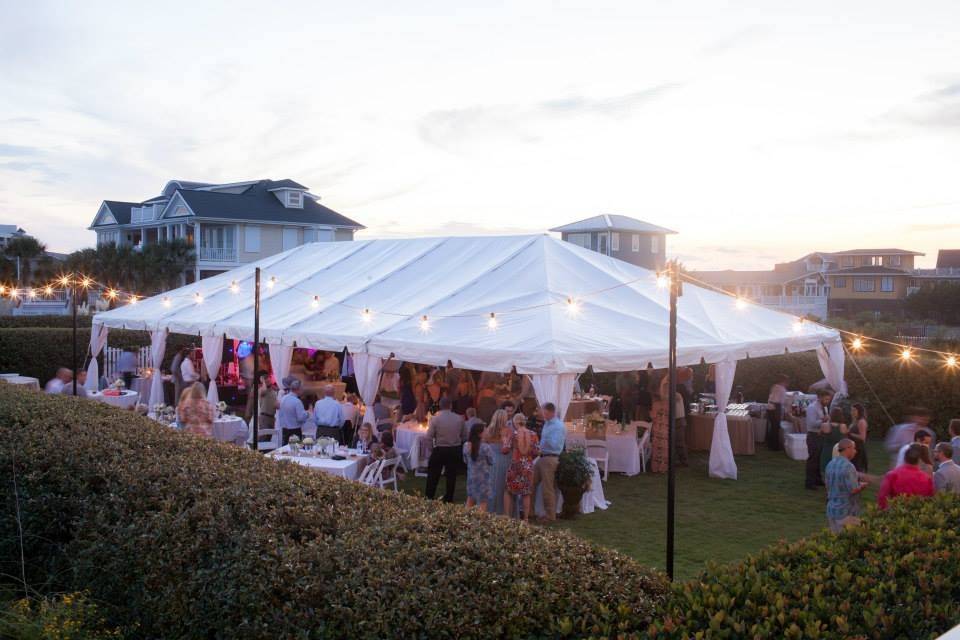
<point x="112" y="294"/>
<point x="424" y="324"/>
<point x="3" y="290"/>
<point x="315" y="303"/>
<point x="14" y="293"/>
<point x="906" y="354"/>
<point x="86" y="282"/>
<point x="573" y="306"/>
<point x="32" y="293"/>
<point x="741" y="303"/>
<point x="64" y="281"/>
<point x="798" y="325"/>
<point x="166" y="301"/>
<point x="366" y="316"/>
<point x="857" y="344"/>
<point x="48" y="290"/>
<point x="133" y="299"/>
<point x="234" y="287"/>
<point x="271" y="282"/>
<point x="492" y="322"/>
<point x="663" y="281"/>
<point x="198" y="297"/>
<point x="951" y="361"/>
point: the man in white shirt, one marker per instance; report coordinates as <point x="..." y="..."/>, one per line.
<point x="923" y="437"/>
<point x="327" y="413"/>
<point x="187" y="371"/>
<point x="817" y="420"/>
<point x="127" y="366"/>
<point x="81" y="390"/>
<point x="57" y="382"/>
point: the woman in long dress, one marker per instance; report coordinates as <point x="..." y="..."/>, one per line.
<point x="858" y="433"/>
<point x="498" y="435"/>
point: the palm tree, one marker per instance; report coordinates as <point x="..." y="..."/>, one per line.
<point x="23" y="250"/>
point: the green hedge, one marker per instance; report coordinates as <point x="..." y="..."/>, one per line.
<point x="895" y="576"/>
<point x="186" y="537"/>
<point x="38" y="352"/>
<point x="49" y="322"/>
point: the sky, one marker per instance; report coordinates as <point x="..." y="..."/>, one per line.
<point x="759" y="131"/>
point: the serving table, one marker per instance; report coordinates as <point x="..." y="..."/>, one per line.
<point x="350" y="468"/>
<point x="740" y="426"/>
<point x="126" y="400"/>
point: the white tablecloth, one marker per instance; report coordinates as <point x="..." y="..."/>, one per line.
<point x="22" y="381"/>
<point x="623" y="447"/>
<point x="127" y="400"/>
<point x="413" y="439"/>
<point x="593" y="499"/>
<point x="230" y="429"/>
<point x="349" y="468"/>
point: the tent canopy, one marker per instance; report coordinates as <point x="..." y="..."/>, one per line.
<point x="619" y="320"/>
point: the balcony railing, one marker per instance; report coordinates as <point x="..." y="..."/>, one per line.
<point x="218" y="254"/>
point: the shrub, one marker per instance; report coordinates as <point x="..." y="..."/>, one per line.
<point x="38" y="352"/>
<point x="193" y="538"/>
<point x="895" y="576"/>
<point x="70" y="616"/>
<point x="49" y="322"/>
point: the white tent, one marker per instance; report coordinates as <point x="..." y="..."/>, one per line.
<point x="557" y="308"/>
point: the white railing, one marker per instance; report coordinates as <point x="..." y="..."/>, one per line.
<point x="941" y="271"/>
<point x="793" y="301"/>
<point x="111" y="358"/>
<point x="218" y="254"/>
<point x="144" y="214"/>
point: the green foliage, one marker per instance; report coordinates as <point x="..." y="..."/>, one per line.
<point x="895" y="576"/>
<point x="36" y="267"/>
<point x="194" y="538"/>
<point x="154" y="268"/>
<point x="573" y="469"/>
<point x="70" y="616"/>
<point x="49" y="322"/>
<point x="937" y="301"/>
<point x="39" y="352"/>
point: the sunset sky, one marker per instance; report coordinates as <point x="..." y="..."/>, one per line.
<point x="758" y="130"/>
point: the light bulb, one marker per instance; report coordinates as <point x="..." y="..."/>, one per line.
<point x="198" y="297"/>
<point x="14" y="293"/>
<point x="85" y="283"/>
<point x="573" y="306"/>
<point x="424" y="324"/>
<point x="31" y="293"/>
<point x="48" y="290"/>
<point x="3" y="290"/>
<point x="64" y="281"/>
<point x="663" y="281"/>
<point x="234" y="287"/>
<point x="952" y="362"/>
<point x="492" y="322"/>
<point x="112" y="294"/>
<point x="133" y="299"/>
<point x="166" y="301"/>
<point x="798" y="325"/>
<point x="315" y="303"/>
<point x="271" y="282"/>
<point x="741" y="303"/>
<point x="366" y="316"/>
<point x="857" y="344"/>
<point x="906" y="354"/>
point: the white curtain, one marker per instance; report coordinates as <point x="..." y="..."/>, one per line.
<point x="556" y="388"/>
<point x="722" y="464"/>
<point x="280" y="357"/>
<point x="212" y="356"/>
<point x="366" y="368"/>
<point x="98" y="340"/>
<point x="832" y="360"/>
<point x="158" y="345"/>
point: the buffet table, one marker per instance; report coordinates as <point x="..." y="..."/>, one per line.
<point x="412" y="438"/>
<point x="622" y="446"/>
<point x="582" y="407"/>
<point x="21" y="381"/>
<point x="231" y="429"/>
<point x="350" y="468"/>
<point x="741" y="429"/>
<point x="126" y="399"/>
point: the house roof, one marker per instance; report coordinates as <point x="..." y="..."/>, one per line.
<point x="286" y="183"/>
<point x="875" y="252"/>
<point x="948" y="258"/>
<point x="120" y="210"/>
<point x="257" y="203"/>
<point x="10" y="229"/>
<point x="787" y="272"/>
<point x="868" y="270"/>
<point x="612" y="222"/>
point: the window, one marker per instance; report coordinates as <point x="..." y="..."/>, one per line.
<point x="895" y="261"/>
<point x="839" y="283"/>
<point x="324" y="235"/>
<point x="309" y="235"/>
<point x="602" y="247"/>
<point x="251" y="239"/>
<point x="847" y="261"/>
<point x="295" y="199"/>
<point x="580" y="239"/>
<point x="886" y="284"/>
<point x="654" y="244"/>
<point x="876" y="261"/>
<point x="635" y="243"/>
<point x="289" y="239"/>
<point x="863" y="284"/>
<point x="615" y="241"/>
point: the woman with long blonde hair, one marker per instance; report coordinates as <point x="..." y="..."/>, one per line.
<point x="194" y="413"/>
<point x="498" y="435"/>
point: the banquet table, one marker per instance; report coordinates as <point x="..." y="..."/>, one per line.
<point x="593" y="499"/>
<point x="740" y="427"/>
<point x="126" y="400"/>
<point x="21" y="381"/>
<point x="412" y="437"/>
<point x="622" y="446"/>
<point x="316" y="387"/>
<point x="231" y="429"/>
<point x="580" y="408"/>
<point x="349" y="468"/>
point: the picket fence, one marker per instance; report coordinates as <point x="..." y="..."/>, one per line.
<point x="111" y="358"/>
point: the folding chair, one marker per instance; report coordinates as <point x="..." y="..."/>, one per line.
<point x="599" y="452"/>
<point x="644" y="443"/>
<point x="387" y="473"/>
<point x="369" y="473"/>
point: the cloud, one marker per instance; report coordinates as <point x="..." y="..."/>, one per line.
<point x="937" y="109"/>
<point x="737" y="39"/>
<point x="451" y="228"/>
<point x="927" y="228"/>
<point x="451" y="128"/>
<point x="45" y="173"/>
<point x="16" y="151"/>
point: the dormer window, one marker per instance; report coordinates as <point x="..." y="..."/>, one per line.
<point x="295" y="199"/>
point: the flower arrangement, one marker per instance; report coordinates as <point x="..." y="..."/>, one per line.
<point x="328" y="446"/>
<point x="119" y="384"/>
<point x="308" y="444"/>
<point x="221" y="407"/>
<point x="294" y="443"/>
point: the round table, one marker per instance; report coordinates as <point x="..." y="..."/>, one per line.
<point x="126" y="400"/>
<point x="230" y="429"/>
<point x="21" y="381"/>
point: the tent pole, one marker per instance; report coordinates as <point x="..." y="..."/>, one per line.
<point x="256" y="360"/>
<point x="73" y="300"/>
<point x="672" y="414"/>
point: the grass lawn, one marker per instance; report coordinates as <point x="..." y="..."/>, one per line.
<point x="720" y="520"/>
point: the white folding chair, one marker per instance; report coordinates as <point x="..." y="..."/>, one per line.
<point x="272" y="443"/>
<point x="402" y="454"/>
<point x="599" y="451"/>
<point x="387" y="473"/>
<point x="644" y="444"/>
<point x="423" y="456"/>
<point x="369" y="473"/>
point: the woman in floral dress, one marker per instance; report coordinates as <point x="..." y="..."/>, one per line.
<point x="478" y="456"/>
<point x="194" y="413"/>
<point x="524" y="447"/>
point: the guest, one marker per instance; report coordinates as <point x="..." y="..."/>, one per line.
<point x="843" y="486"/>
<point x="660" y="434"/>
<point x="954" y="429"/>
<point x="947" y="477"/>
<point x="545" y="471"/>
<point x="127" y="366"/>
<point x="523" y="448"/>
<point x="478" y="456"/>
<point x="535" y="422"/>
<point x="902" y="434"/>
<point x="178" y="385"/>
<point x="680" y="430"/>
<point x="452" y="377"/>
<point x="858" y="433"/>
<point x="81" y="391"/>
<point x="56" y="383"/>
<point x="710" y="382"/>
<point x="384" y="450"/>
<point x="348" y="408"/>
<point x="447" y="432"/>
<point x="925" y="439"/>
<point x="194" y="413"/>
<point x="463" y="399"/>
<point x="291" y="415"/>
<point x="498" y="435"/>
<point x="328" y="414"/>
<point x="832" y="433"/>
<point x="408" y="399"/>
<point x="380" y="410"/>
<point x="187" y="371"/>
<point x="331" y="367"/>
<point x="626" y="384"/>
<point x="434" y="391"/>
<point x="247" y="375"/>
<point x="511" y="409"/>
<point x="775" y="401"/>
<point x="364" y="438"/>
<point x="267" y="402"/>
<point x="818" y="423"/>
<point x="906" y="480"/>
<point x="472" y="419"/>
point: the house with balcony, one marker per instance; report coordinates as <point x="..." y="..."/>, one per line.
<point x="871" y="280"/>
<point x="622" y="237"/>
<point x="228" y="224"/>
<point x="8" y="232"/>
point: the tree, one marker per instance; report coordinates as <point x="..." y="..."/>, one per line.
<point x="937" y="301"/>
<point x="146" y="271"/>
<point x="26" y="249"/>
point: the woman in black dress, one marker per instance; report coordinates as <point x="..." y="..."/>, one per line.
<point x="858" y="433"/>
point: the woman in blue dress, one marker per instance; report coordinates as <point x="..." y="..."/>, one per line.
<point x="499" y="435"/>
<point x="478" y="456"/>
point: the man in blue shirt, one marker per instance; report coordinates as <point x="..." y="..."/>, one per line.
<point x="552" y="439"/>
<point x="328" y="415"/>
<point x="291" y="415"/>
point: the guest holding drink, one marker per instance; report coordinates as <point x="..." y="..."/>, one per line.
<point x="817" y="422"/>
<point x="843" y="487"/>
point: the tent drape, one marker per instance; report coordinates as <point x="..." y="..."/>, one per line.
<point x="832" y="362"/>
<point x="280" y="357"/>
<point x="158" y="346"/>
<point x="366" y="368"/>
<point x="212" y="357"/>
<point x="98" y="340"/>
<point x="722" y="464"/>
<point x="556" y="388"/>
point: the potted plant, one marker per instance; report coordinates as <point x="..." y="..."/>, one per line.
<point x="574" y="475"/>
